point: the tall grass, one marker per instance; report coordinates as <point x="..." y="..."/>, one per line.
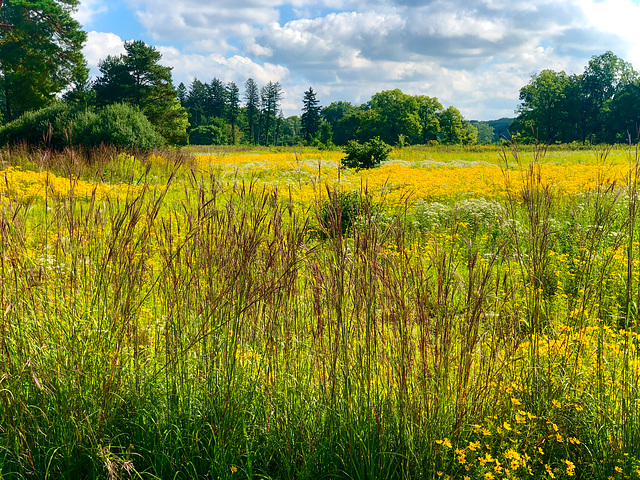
<point x="194" y="327"/>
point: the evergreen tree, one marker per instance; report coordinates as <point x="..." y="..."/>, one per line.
<point x="270" y="97"/>
<point x="182" y="94"/>
<point x="311" y="118"/>
<point x="216" y="99"/>
<point x="252" y="97"/>
<point x="233" y="108"/>
<point x="40" y="53"/>
<point x="137" y="78"/>
<point x="196" y="103"/>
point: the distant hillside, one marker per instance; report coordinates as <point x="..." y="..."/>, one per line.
<point x="500" y="127"/>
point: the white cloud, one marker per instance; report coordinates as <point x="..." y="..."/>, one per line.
<point x="101" y="44"/>
<point x="237" y="68"/>
<point x="89" y="9"/>
<point x="475" y="55"/>
<point x="205" y="26"/>
<point x="620" y="18"/>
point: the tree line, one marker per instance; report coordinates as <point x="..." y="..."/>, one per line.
<point x="44" y="81"/>
<point x="600" y="105"/>
<point x="219" y="114"/>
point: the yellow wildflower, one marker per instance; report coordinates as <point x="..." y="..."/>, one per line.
<point x="473" y="446"/>
<point x="549" y="471"/>
<point x="571" y="467"/>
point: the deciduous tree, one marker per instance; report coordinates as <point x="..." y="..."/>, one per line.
<point x="603" y="77"/>
<point x="391" y="113"/>
<point x="543" y="111"/>
<point x="428" y="110"/>
<point x="452" y="130"/>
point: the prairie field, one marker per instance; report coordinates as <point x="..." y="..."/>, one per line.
<point x="265" y="314"/>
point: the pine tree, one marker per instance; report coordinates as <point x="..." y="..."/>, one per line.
<point x="137" y="78"/>
<point x="271" y="94"/>
<point x="252" y="97"/>
<point x="195" y="103"/>
<point x="40" y="53"/>
<point x="311" y="118"/>
<point x="216" y="99"/>
<point x="233" y="108"/>
<point x="182" y="94"/>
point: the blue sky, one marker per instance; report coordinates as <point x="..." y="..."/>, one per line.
<point x="475" y="55"/>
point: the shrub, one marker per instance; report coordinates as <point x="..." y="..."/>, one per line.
<point x="60" y="124"/>
<point x="207" y="135"/>
<point x="122" y="125"/>
<point x="367" y="155"/>
<point x="45" y="126"/>
<point x="340" y="212"/>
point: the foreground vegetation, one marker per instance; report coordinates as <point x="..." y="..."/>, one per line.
<point x="266" y="314"/>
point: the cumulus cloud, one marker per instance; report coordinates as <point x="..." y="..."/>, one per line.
<point x="204" y="26"/>
<point x="475" y="55"/>
<point x="233" y="69"/>
<point x="101" y="44"/>
<point x="89" y="9"/>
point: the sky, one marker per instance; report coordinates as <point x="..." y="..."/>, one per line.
<point x="474" y="55"/>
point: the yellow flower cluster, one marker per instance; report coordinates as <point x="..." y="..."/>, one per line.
<point x="20" y="185"/>
<point x="398" y="181"/>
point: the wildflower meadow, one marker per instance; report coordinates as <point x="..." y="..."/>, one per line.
<point x="455" y="313"/>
